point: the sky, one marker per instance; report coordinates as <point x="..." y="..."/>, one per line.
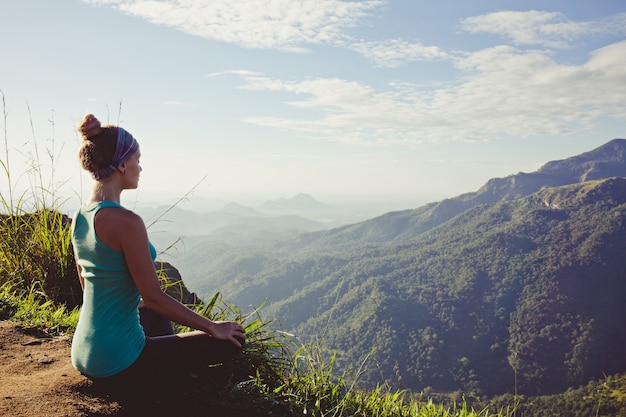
<point x="392" y="102"/>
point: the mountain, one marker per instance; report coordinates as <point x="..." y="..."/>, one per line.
<point x="233" y="223"/>
<point x="241" y="210"/>
<point x="518" y="287"/>
<point x="608" y="160"/>
<point x="299" y="202"/>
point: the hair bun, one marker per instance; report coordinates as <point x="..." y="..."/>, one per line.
<point x="90" y="126"/>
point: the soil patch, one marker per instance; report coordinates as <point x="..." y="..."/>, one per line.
<point x="37" y="379"/>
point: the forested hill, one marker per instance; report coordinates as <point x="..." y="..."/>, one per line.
<point x="525" y="292"/>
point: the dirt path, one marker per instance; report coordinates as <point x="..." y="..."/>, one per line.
<point x="37" y="378"/>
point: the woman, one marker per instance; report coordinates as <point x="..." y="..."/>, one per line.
<point x="116" y="270"/>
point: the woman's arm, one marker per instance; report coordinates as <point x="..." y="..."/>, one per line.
<point x="132" y="238"/>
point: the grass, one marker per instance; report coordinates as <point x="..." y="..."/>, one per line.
<point x="276" y="376"/>
<point x="35" y="249"/>
<point x="32" y="309"/>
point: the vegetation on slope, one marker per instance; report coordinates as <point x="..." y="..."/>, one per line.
<point x="513" y="296"/>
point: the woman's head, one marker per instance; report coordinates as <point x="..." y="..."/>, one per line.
<point x="103" y="148"/>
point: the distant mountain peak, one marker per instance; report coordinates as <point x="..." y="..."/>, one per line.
<point x="302" y="196"/>
<point x="299" y="202"/>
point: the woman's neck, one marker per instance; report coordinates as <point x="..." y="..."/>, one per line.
<point x="105" y="192"/>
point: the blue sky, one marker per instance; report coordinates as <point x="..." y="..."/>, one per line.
<point x="401" y="102"/>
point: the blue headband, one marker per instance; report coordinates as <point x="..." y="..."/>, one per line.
<point x="125" y="147"/>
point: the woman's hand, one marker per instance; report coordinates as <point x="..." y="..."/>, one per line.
<point x="229" y="330"/>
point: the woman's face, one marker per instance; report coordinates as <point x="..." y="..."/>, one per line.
<point x="132" y="171"/>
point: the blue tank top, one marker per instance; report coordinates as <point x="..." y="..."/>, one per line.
<point x="108" y="337"/>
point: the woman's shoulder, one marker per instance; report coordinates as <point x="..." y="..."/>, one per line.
<point x="120" y="218"/>
<point x="116" y="225"/>
<point x="119" y="213"/>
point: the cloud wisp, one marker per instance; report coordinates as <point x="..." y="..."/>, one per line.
<point x="285" y="25"/>
<point x="396" y="52"/>
<point x="541" y="28"/>
<point x="279" y="24"/>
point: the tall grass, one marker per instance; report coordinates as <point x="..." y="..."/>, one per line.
<point x="35" y="249"/>
<point x="310" y="387"/>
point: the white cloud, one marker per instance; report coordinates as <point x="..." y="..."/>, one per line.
<point x="395" y="52"/>
<point x="549" y="29"/>
<point x="503" y="91"/>
<point x="281" y="24"/>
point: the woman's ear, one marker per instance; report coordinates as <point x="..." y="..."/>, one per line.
<point x="122" y="168"/>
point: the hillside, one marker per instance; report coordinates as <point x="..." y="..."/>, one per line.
<point x="516" y="286"/>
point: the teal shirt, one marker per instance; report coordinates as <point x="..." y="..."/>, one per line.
<point x="109" y="337"/>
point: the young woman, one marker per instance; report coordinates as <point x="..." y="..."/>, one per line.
<point x="117" y="273"/>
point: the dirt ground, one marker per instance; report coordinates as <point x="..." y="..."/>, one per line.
<point x="37" y="379"/>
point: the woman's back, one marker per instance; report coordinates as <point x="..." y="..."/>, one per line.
<point x="108" y="337"/>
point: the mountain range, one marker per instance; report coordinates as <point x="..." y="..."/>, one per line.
<point x="237" y="223"/>
<point x="517" y="287"/>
